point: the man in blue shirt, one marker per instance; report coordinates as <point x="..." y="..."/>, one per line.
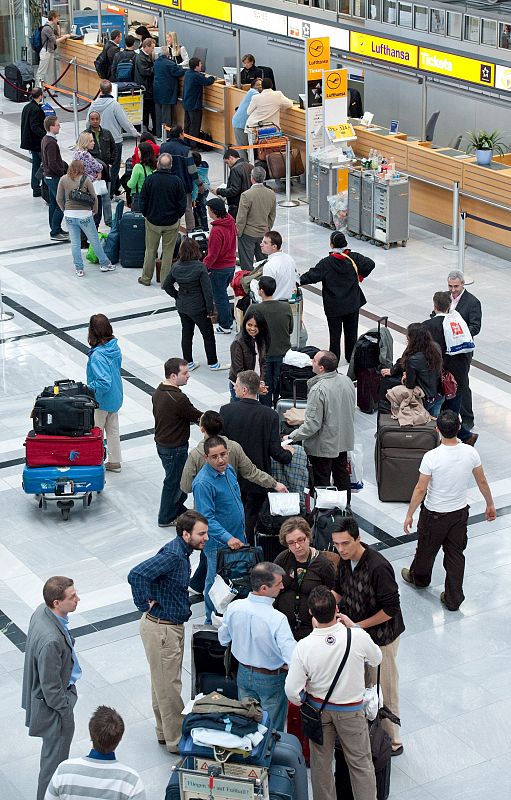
<point x="262" y="642"/>
<point x="216" y="494"/>
<point x="194" y="84"/>
<point x="160" y="590"/>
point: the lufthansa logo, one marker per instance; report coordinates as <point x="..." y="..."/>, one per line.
<point x="333" y="81"/>
<point x="315" y="48"/>
<point x="330" y="640"/>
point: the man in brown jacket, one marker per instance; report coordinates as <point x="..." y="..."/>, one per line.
<point x="173" y="414"/>
<point x="54" y="168"/>
<point x="256" y="215"/>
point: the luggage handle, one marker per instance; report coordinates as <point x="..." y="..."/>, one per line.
<point x="386" y="321"/>
<point x="295" y="381"/>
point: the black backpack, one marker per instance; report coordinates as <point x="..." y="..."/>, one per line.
<point x="326" y="523"/>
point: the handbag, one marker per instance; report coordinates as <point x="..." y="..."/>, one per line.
<point x="449" y="385"/>
<point x="234" y="566"/>
<point x="310" y="715"/>
<point x="81" y="197"/>
<point x="381" y="743"/>
<point x="100" y="187"/>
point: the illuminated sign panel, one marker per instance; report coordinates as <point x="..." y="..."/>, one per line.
<point x="460" y="67"/>
<point x="384" y="49"/>
<point x="212" y="8"/>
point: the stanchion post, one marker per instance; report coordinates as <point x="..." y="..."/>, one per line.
<point x="226" y="171"/>
<point x="288" y="203"/>
<point x="461" y="243"/>
<point x="75" y="115"/>
<point x="453" y="244"/>
<point x="5" y="316"/>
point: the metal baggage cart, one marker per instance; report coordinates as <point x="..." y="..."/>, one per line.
<point x="202" y="779"/>
<point x="131" y="101"/>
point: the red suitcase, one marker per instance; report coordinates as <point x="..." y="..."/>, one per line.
<point x="294" y="726"/>
<point x="64" y="451"/>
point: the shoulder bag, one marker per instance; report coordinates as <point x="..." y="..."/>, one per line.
<point x="449" y="385"/>
<point x="311" y="716"/>
<point x="80" y="196"/>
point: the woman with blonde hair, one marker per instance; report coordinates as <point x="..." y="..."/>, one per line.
<point x="78" y="200"/>
<point x="92" y="167"/>
<point x="178" y="52"/>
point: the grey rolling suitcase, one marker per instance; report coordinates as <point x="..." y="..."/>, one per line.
<point x="398" y="454"/>
<point x="286" y="403"/>
<point x="288" y="756"/>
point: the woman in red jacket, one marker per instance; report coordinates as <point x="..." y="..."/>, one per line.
<point x="221" y="259"/>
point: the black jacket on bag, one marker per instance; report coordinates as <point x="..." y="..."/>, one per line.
<point x="163" y="198"/>
<point x="256" y="428"/>
<point x="341" y="288"/>
<point x="193" y="293"/>
<point x="237" y="183"/>
<point x="32" y="127"/>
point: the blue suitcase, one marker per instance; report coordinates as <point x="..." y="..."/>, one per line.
<point x="282" y="783"/>
<point x="173" y="792"/>
<point x="63" y="481"/>
<point x="289" y="755"/>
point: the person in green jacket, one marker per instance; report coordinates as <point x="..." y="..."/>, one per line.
<point x="142" y="170"/>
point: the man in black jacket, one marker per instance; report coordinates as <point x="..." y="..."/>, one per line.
<point x="112" y="47"/>
<point x="469" y="307"/>
<point x="256" y="428"/>
<point x="237" y="182"/>
<point x="144" y="76"/>
<point x="32" y="134"/>
<point x="163" y="203"/>
<point x="104" y="150"/>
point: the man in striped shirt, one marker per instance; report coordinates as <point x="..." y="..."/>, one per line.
<point x="99" y="774"/>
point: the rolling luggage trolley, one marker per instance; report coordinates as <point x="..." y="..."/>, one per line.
<point x="131" y="101"/>
<point x="202" y="779"/>
<point x="63" y="485"/>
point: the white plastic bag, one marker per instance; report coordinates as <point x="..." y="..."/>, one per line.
<point x="356" y="468"/>
<point x="100" y="187"/>
<point x="284" y="505"/>
<point x="221" y="594"/>
<point x="371" y="704"/>
<point x="329" y="497"/>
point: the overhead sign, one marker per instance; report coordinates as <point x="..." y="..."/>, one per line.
<point x="317" y="54"/>
<point x="384" y="49"/>
<point x="335" y="84"/>
<point x="213" y="8"/>
<point x="169" y="3"/>
<point x="503" y="77"/>
<point x="305" y="29"/>
<point x="460" y="67"/>
<point x="259" y="20"/>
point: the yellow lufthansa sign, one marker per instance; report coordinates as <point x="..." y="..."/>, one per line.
<point x="213" y="8"/>
<point x="336" y="84"/>
<point x="384" y="49"/>
<point x="317" y="52"/>
<point x="169" y="3"/>
<point x="460" y="67"/>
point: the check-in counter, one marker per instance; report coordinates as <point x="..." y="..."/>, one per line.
<point x="85" y="54"/>
<point x="429" y="166"/>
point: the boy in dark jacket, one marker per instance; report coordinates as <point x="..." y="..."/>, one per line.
<point x="32" y="134"/>
<point x="195" y="81"/>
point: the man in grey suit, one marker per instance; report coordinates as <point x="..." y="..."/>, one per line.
<point x="49" y="677"/>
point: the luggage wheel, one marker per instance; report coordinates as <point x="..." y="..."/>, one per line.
<point x="65" y="507"/>
<point x="65" y="513"/>
<point x="43" y="503"/>
<point x="87" y="499"/>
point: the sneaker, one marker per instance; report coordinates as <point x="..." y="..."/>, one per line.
<point x="166" y="524"/>
<point x="219" y="329"/>
<point x="37" y="193"/>
<point x="80" y="273"/>
<point x="143" y="282"/>
<point x="59" y="237"/>
<point x="442" y="600"/>
<point x="472" y="439"/>
<point x="111" y="466"/>
<point x="218" y="366"/>
<point x="407" y="576"/>
<point x="193" y="365"/>
<point x="398" y="751"/>
<point x="107" y="268"/>
<point x="64" y="233"/>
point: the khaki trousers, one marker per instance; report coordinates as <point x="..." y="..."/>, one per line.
<point x="389" y="679"/>
<point x="164" y="645"/>
<point x="153" y="234"/>
<point x="353" y="731"/>
<point x="108" y="421"/>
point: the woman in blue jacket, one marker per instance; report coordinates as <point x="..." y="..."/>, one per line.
<point x="165" y="88"/>
<point x="240" y="116"/>
<point x="104" y="376"/>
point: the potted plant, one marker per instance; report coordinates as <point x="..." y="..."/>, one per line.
<point x="485" y="144"/>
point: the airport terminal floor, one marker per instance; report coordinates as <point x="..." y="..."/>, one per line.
<point x="454" y="666"/>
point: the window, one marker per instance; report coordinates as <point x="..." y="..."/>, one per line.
<point x="505" y="35"/>
<point x="437" y="21"/>
<point x="331" y="5"/>
<point x="374" y="10"/>
<point x="454" y="24"/>
<point x="489" y="32"/>
<point x="344" y="6"/>
<point x="420" y="18"/>
<point x="471" y="28"/>
<point x="389" y="11"/>
<point x="359" y="8"/>
<point x="405" y="15"/>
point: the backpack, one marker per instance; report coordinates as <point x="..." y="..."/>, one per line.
<point x="36" y="40"/>
<point x="325" y="523"/>
<point x="125" y="70"/>
<point x="101" y="64"/>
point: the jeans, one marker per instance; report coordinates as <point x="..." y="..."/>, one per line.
<point x="198" y="579"/>
<point x="205" y="326"/>
<point x="200" y="211"/>
<point x="268" y="689"/>
<point x="55" y="214"/>
<point x="435" y="405"/>
<point x="220" y="280"/>
<point x="272" y="380"/>
<point x="35" y="183"/>
<point x="249" y="247"/>
<point x="193" y="122"/>
<point x="114" y="169"/>
<point x="234" y="399"/>
<point x="210" y="551"/>
<point x="172" y="498"/>
<point x="348" y="323"/>
<point x="86" y="225"/>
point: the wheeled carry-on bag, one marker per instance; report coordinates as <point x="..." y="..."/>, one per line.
<point x="208" y="664"/>
<point x="290" y="377"/>
<point x="70" y="388"/>
<point x="21" y="74"/>
<point x="62" y="451"/>
<point x="285" y="403"/>
<point x="343" y="788"/>
<point x="397" y="456"/>
<point x="367" y="360"/>
<point x="200" y="238"/>
<point x="269" y="544"/>
<point x="63" y="415"/>
<point x="288" y="754"/>
<point x="132" y="246"/>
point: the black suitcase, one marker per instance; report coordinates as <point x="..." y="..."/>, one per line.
<point x="269" y="544"/>
<point x="132" y="231"/>
<point x="62" y="415"/>
<point x="293" y="381"/>
<point x="208" y="664"/>
<point x="397" y="456"/>
<point x="21" y="74"/>
<point x="368" y="389"/>
<point x="210" y="682"/>
<point x="343" y="788"/>
<point x="70" y="388"/>
<point x="200" y="238"/>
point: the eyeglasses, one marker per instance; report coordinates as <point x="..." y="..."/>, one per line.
<point x="296" y="542"/>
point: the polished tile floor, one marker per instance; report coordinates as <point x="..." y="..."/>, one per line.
<point x="455" y="673"/>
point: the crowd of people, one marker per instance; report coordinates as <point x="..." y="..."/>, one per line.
<point x="308" y="608"/>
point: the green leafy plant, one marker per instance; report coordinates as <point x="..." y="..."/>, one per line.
<point x="484" y="140"/>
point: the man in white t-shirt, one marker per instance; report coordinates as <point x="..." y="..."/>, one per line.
<point x="445" y="476"/>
